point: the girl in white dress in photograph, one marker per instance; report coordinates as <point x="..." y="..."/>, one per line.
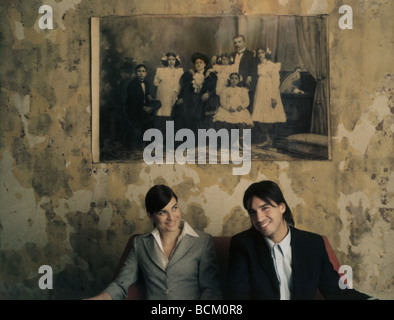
<point x="223" y="67"/>
<point x="267" y="106"/>
<point x="167" y="81"/>
<point x="233" y="112"/>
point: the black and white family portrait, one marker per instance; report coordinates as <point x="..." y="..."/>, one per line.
<point x="186" y="75"/>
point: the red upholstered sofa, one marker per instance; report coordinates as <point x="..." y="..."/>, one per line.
<point x="137" y="290"/>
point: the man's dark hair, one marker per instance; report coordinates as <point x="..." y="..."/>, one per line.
<point x="158" y="197"/>
<point x="267" y="191"/>
<point x="239" y="36"/>
<point x="139" y="66"/>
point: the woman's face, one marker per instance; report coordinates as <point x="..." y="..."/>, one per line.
<point x="168" y="218"/>
<point x="261" y="55"/>
<point x="171" y="61"/>
<point x="199" y="64"/>
<point x="234" y="80"/>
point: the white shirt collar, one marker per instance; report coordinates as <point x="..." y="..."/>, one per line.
<point x="184" y="226"/>
<point x="186" y="230"/>
<point x="284" y="244"/>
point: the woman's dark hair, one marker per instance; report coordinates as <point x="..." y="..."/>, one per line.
<point x="268" y="56"/>
<point x="158" y="197"/>
<point x="225" y="55"/>
<point x="170" y="54"/>
<point x="229" y="79"/>
<point x="198" y="55"/>
<point x="267" y="191"/>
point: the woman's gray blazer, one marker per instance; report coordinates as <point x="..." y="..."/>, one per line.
<point x="192" y="272"/>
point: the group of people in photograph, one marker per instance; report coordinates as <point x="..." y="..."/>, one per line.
<point x="235" y="90"/>
<point x="270" y="260"/>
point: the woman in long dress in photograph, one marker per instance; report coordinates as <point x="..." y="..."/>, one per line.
<point x="197" y="91"/>
<point x="268" y="108"/>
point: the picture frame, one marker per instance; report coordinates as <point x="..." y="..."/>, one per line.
<point x="298" y="50"/>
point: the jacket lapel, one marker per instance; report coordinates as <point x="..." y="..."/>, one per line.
<point x="182" y="248"/>
<point x="149" y="243"/>
<point x="265" y="259"/>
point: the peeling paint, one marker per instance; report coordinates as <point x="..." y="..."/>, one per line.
<point x="283" y="2"/>
<point x="365" y="128"/>
<point x="22" y="219"/>
<point x="19" y="33"/>
<point x="318" y="7"/>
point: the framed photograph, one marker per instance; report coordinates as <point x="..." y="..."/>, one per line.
<point x="163" y="86"/>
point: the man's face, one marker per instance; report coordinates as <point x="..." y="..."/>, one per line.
<point x="239" y="43"/>
<point x="268" y="219"/>
<point x="141" y="73"/>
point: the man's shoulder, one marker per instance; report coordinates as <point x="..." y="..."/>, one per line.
<point x="307" y="238"/>
<point x="245" y="235"/>
<point x="133" y="82"/>
<point x="249" y="53"/>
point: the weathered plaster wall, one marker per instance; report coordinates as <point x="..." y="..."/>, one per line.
<point x="57" y="208"/>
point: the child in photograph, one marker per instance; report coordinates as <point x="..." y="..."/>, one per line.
<point x="223" y="66"/>
<point x="168" y="87"/>
<point x="140" y="108"/>
<point x="233" y="112"/>
<point x="268" y="108"/>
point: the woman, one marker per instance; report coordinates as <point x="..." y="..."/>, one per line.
<point x="196" y="95"/>
<point x="268" y="108"/>
<point x="175" y="261"/>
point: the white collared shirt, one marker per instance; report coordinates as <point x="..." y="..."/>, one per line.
<point x="238" y="57"/>
<point x="281" y="255"/>
<point x="143" y="88"/>
<point x="186" y="230"/>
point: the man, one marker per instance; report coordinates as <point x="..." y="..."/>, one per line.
<point x="246" y="65"/>
<point x="274" y="260"/>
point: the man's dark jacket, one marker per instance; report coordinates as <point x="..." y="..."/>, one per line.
<point x="136" y="100"/>
<point x="251" y="274"/>
<point x="247" y="67"/>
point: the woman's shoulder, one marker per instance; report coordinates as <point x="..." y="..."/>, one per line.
<point x="274" y="65"/>
<point x="140" y="237"/>
<point x="188" y="74"/>
<point x="203" y="236"/>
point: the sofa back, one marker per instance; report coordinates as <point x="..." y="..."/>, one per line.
<point x="222" y="245"/>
